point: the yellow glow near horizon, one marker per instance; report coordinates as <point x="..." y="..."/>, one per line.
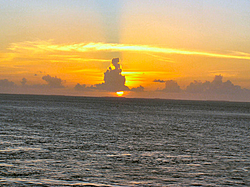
<point x="86" y="63"/>
<point x="155" y="42"/>
<point x="120" y="93"/>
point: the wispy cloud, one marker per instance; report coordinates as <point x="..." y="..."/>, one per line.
<point x="160" y="58"/>
<point x="48" y="46"/>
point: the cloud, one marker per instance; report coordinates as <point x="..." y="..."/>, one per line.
<point x="217" y="86"/>
<point x="83" y="87"/>
<point x="113" y="80"/>
<point x="5" y="83"/>
<point x="53" y="82"/>
<point x="217" y="89"/>
<point x="171" y="86"/>
<point x="80" y="87"/>
<point x="38" y="72"/>
<point x="24" y="81"/>
<point x="138" y="89"/>
<point x="48" y="46"/>
<point x="158" y="80"/>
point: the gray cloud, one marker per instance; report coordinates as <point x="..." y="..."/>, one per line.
<point x="53" y="82"/>
<point x="171" y="86"/>
<point x="138" y="89"/>
<point x="113" y="80"/>
<point x="217" y="86"/>
<point x="5" y="83"/>
<point x="24" y="81"/>
<point x="80" y="87"/>
<point x="39" y="72"/>
<point x="83" y="87"/>
<point x="159" y="80"/>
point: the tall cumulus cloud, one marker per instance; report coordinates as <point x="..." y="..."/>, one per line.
<point x="113" y="80"/>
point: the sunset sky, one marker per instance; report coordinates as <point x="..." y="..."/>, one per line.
<point x="164" y="46"/>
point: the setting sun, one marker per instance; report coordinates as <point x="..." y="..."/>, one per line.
<point x="120" y="93"/>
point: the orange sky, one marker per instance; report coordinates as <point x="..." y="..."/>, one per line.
<point x="164" y="40"/>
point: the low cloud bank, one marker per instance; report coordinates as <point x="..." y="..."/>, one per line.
<point x="159" y="80"/>
<point x="217" y="86"/>
<point x="138" y="89"/>
<point x="84" y="87"/>
<point x="7" y="86"/>
<point x="5" y="83"/>
<point x="171" y="86"/>
<point x="114" y="81"/>
<point x="53" y="82"/>
<point x="24" y="81"/>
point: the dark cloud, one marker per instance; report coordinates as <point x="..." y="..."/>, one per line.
<point x="83" y="87"/>
<point x="24" y="81"/>
<point x="207" y="88"/>
<point x="217" y="86"/>
<point x="198" y="87"/>
<point x="113" y="80"/>
<point x="53" y="82"/>
<point x="39" y="72"/>
<point x="80" y="87"/>
<point x="138" y="89"/>
<point x="5" y="83"/>
<point x="171" y="86"/>
<point x="158" y="80"/>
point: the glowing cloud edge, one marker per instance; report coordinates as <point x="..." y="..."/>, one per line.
<point x="43" y="46"/>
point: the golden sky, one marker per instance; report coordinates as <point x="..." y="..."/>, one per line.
<point x="75" y="41"/>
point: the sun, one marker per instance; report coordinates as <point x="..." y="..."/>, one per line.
<point x="120" y="93"/>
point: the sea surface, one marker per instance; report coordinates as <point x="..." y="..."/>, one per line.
<point x="84" y="141"/>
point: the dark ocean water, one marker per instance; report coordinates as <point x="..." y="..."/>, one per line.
<point x="64" y="141"/>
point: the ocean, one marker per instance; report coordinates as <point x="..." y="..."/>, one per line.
<point x="88" y="141"/>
